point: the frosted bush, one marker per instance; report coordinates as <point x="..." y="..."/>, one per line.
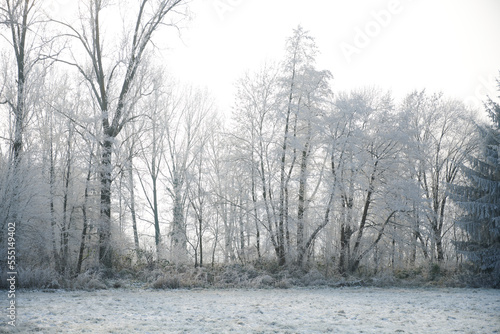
<point x="88" y="281"/>
<point x="38" y="278"/>
<point x="165" y="282"/>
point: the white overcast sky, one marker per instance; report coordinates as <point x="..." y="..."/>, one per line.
<point x="441" y="45"/>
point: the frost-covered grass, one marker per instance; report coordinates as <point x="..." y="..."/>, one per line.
<point x="296" y="310"/>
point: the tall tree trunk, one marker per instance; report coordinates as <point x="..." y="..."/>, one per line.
<point x="241" y="228"/>
<point x="301" y="208"/>
<point x="85" y="219"/>
<point x="82" y="239"/>
<point x="200" y="238"/>
<point x="301" y="248"/>
<point x="53" y="222"/>
<point x="283" y="184"/>
<point x="64" y="224"/>
<point x="255" y="213"/>
<point x="414" y="239"/>
<point x="345" y="240"/>
<point x="19" y="32"/>
<point x="267" y="200"/>
<point x="439" y="245"/>
<point x="132" y="206"/>
<point x="283" y="192"/>
<point x="156" y="214"/>
<point x="105" y="248"/>
<point x="439" y="239"/>
<point x="345" y="234"/>
<point x="354" y="262"/>
<point x="178" y="236"/>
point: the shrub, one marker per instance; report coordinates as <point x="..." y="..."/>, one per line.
<point x="313" y="278"/>
<point x="88" y="281"/>
<point x="266" y="280"/>
<point x="404" y="273"/>
<point x="150" y="276"/>
<point x="284" y="283"/>
<point x="165" y="282"/>
<point x="434" y="271"/>
<point x="38" y="278"/>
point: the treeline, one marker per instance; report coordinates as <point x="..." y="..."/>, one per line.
<point x="107" y="163"/>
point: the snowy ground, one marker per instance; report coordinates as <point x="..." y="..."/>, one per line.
<point x="345" y="310"/>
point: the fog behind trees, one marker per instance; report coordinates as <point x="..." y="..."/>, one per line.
<point x="107" y="162"/>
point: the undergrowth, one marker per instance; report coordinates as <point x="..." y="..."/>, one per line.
<point x="260" y="275"/>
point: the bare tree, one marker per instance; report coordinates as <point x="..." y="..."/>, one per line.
<point x="199" y="191"/>
<point x="441" y="132"/>
<point x="131" y="153"/>
<point x="111" y="82"/>
<point x="185" y="114"/>
<point x="365" y="151"/>
<point x="255" y="135"/>
<point x="22" y="28"/>
<point x="152" y="148"/>
<point x="18" y="17"/>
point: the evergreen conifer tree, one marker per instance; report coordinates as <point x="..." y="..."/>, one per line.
<point x="480" y="199"/>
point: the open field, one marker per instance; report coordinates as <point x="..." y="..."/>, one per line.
<point x="344" y="310"/>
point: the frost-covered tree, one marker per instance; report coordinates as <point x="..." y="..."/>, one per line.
<point x="279" y="121"/>
<point x="255" y="137"/>
<point x="24" y="34"/>
<point x="24" y="42"/>
<point x="305" y="91"/>
<point x="441" y="137"/>
<point x="364" y="157"/>
<point x="480" y="198"/>
<point x="110" y="70"/>
<point x="152" y="145"/>
<point x="187" y="114"/>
